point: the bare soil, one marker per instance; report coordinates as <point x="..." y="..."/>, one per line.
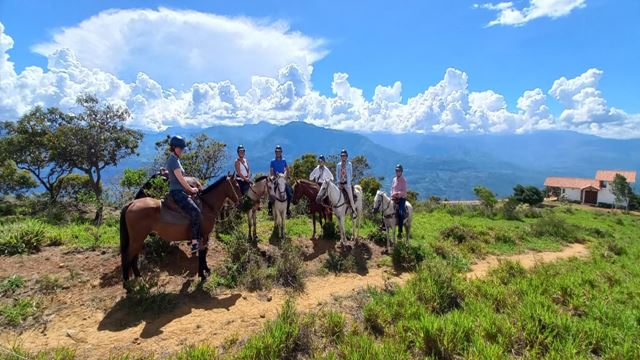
<point x="90" y="314"/>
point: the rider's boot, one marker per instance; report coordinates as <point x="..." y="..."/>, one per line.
<point x="194" y="246"/>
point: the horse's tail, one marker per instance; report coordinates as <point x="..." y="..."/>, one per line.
<point x="124" y="242"/>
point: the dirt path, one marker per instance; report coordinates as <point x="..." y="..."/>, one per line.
<point x="92" y="317"/>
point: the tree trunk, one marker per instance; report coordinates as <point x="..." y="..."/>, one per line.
<point x="97" y="190"/>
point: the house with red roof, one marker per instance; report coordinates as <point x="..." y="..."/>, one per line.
<point x="588" y="191"/>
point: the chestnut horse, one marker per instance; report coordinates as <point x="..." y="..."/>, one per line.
<point x="141" y="217"/>
<point x="309" y="190"/>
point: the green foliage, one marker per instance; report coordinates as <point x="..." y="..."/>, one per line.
<point x="75" y="187"/>
<point x="621" y="189"/>
<point x="11" y="284"/>
<point x="17" y="311"/>
<point x="281" y="338"/>
<point x="458" y="234"/>
<point x="407" y="257"/>
<point x="370" y="185"/>
<point x="14" y="180"/>
<point x="330" y="231"/>
<point x="159" y="188"/>
<point x="510" y="209"/>
<point x="339" y="262"/>
<point x="48" y="284"/>
<point x="289" y="268"/>
<point x="156" y="249"/>
<point x="486" y="196"/>
<point x="528" y="195"/>
<point x="204" y="160"/>
<point x="303" y="166"/>
<point x="378" y="237"/>
<point x="147" y="297"/>
<point x="93" y="139"/>
<point x="412" y="196"/>
<point x="132" y="180"/>
<point x="360" y="166"/>
<point x="31" y="143"/>
<point x="554" y="227"/>
<point x="22" y="238"/>
<point x="333" y="325"/>
<point x="200" y="352"/>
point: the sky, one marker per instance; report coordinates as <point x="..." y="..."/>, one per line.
<point x="411" y="66"/>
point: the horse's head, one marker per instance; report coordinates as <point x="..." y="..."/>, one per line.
<point x="297" y="191"/>
<point x="322" y="193"/>
<point x="377" y="201"/>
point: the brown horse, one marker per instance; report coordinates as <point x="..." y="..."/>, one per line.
<point x="309" y="190"/>
<point x="141" y="217"/>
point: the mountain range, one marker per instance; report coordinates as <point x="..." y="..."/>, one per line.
<point x="448" y="166"/>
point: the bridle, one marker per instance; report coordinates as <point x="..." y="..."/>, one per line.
<point x="279" y="195"/>
<point x="383" y="198"/>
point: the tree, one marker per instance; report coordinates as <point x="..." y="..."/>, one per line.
<point x="486" y="196"/>
<point x="528" y="195"/>
<point x="30" y="143"/>
<point x="74" y="186"/>
<point x="14" y="180"/>
<point x="412" y="196"/>
<point x="621" y="190"/>
<point x="370" y="185"/>
<point x="303" y="166"/>
<point x="94" y="139"/>
<point x="361" y="168"/>
<point x="204" y="160"/>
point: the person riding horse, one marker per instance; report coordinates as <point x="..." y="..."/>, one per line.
<point x="243" y="173"/>
<point x="180" y="190"/>
<point x="344" y="174"/>
<point x="279" y="166"/>
<point x="399" y="196"/>
<point x="321" y="172"/>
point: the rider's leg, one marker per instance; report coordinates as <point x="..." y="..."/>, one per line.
<point x="400" y="214"/>
<point x="190" y="207"/>
<point x="350" y="194"/>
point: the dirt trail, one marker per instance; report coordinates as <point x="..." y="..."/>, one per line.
<point x="92" y="317"/>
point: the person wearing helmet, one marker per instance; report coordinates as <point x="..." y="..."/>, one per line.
<point x="344" y="174"/>
<point x="321" y="172"/>
<point x="243" y="173"/>
<point x="279" y="166"/>
<point x="399" y="196"/>
<point x="180" y="189"/>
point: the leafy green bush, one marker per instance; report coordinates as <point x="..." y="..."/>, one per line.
<point x="486" y="196"/>
<point x="407" y="257"/>
<point x="12" y="283"/>
<point x="156" y="249"/>
<point x="289" y="268"/>
<point x="338" y="262"/>
<point x="530" y="195"/>
<point x="146" y="296"/>
<point x="330" y="231"/>
<point x="510" y="209"/>
<point x="199" y="352"/>
<point x="378" y="237"/>
<point x="554" y="226"/>
<point x="507" y="271"/>
<point x="458" y="234"/>
<point x="48" y="284"/>
<point x="22" y="238"/>
<point x="18" y="310"/>
<point x="333" y="325"/>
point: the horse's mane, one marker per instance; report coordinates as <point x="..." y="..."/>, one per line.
<point x="260" y="178"/>
<point x="214" y="185"/>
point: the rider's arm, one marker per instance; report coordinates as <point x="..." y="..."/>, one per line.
<point x="238" y="173"/>
<point x="248" y="177"/>
<point x="329" y="174"/>
<point x="314" y="174"/>
<point x="178" y="173"/>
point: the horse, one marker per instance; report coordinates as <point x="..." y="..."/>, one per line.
<point x="383" y="203"/>
<point x="257" y="191"/>
<point x="277" y="191"/>
<point x="340" y="204"/>
<point x="309" y="190"/>
<point x="141" y="217"/>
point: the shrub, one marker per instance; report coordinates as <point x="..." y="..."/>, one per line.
<point x="438" y="287"/>
<point x="200" y="352"/>
<point x="48" y="284"/>
<point x="486" y="196"/>
<point x="15" y="312"/>
<point x="530" y="195"/>
<point x="616" y="248"/>
<point x="451" y="255"/>
<point x="330" y="231"/>
<point x="147" y="296"/>
<point x="508" y="270"/>
<point x="256" y="276"/>
<point x="289" y="268"/>
<point x="458" y="234"/>
<point x="378" y="237"/>
<point x="338" y="262"/>
<point x="156" y="249"/>
<point x="554" y="227"/>
<point x="11" y="284"/>
<point x="407" y="257"/>
<point x="510" y="209"/>
<point x="333" y="325"/>
<point x="22" y="238"/>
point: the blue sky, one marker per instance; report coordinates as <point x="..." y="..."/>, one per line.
<point x="413" y="42"/>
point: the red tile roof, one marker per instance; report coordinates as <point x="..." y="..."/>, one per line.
<point x="571" y="183"/>
<point x="608" y="175"/>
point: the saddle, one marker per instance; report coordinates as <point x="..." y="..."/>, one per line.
<point x="346" y="196"/>
<point x="171" y="213"/>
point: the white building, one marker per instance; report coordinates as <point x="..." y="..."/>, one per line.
<point x="588" y="191"/>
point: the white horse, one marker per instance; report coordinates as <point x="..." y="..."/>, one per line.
<point x="256" y="192"/>
<point x="278" y="192"/>
<point x="384" y="204"/>
<point x="340" y="204"/>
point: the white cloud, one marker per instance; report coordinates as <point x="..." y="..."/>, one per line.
<point x="508" y="14"/>
<point x="180" y="47"/>
<point x="446" y="107"/>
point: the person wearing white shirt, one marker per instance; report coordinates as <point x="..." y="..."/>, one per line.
<point x="321" y="172"/>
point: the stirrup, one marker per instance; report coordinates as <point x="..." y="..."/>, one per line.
<point x="194" y="247"/>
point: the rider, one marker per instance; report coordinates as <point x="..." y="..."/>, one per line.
<point x="321" y="172"/>
<point x="180" y="189"/>
<point x="399" y="196"/>
<point x="243" y="173"/>
<point x="344" y="174"/>
<point x="279" y="166"/>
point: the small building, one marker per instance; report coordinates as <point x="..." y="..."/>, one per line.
<point x="588" y="191"/>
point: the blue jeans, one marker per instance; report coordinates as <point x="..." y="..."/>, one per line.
<point x="190" y="207"/>
<point x="244" y="186"/>
<point x="400" y="213"/>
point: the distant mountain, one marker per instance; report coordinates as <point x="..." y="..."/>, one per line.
<point x="446" y="166"/>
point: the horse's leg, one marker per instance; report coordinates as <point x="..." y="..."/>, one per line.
<point x="342" y="234"/>
<point x="134" y="266"/>
<point x="388" y="236"/>
<point x="254" y="221"/>
<point x="249" y="223"/>
<point x="313" y="216"/>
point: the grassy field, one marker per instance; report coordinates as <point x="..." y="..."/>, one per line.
<point x="570" y="309"/>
